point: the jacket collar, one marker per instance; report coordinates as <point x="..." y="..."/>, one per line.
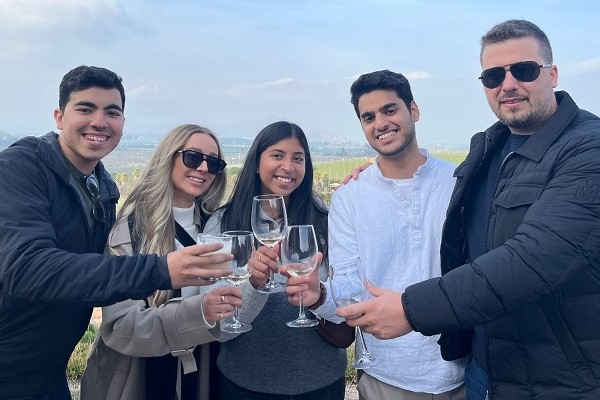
<point x="537" y="145"/>
<point x="48" y="150"/>
<point x="539" y="142"/>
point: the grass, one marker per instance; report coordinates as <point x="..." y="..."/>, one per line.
<point x="336" y="170"/>
<point x="78" y="359"/>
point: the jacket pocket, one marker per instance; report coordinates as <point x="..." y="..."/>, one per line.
<point x="508" y="210"/>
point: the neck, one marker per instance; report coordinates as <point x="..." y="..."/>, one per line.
<point x="403" y="165"/>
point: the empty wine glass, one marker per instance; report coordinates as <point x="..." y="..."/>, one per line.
<point x="204" y="238"/>
<point x="242" y="246"/>
<point x="269" y="221"/>
<point x="299" y="254"/>
<point x="348" y="287"/>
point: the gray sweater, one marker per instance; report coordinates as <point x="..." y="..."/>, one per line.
<point x="272" y="358"/>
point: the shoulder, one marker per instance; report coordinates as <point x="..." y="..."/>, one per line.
<point x="119" y="238"/>
<point x="213" y="225"/>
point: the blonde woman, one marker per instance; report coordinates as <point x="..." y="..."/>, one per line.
<point x="143" y="343"/>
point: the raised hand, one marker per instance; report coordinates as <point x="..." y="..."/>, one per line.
<point x="189" y="265"/>
<point x="220" y="303"/>
<point x="263" y="260"/>
<point x="306" y="286"/>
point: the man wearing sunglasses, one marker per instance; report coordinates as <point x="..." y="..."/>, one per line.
<point x="57" y="205"/>
<point x="520" y="292"/>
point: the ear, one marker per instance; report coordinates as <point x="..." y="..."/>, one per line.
<point x="414" y="111"/>
<point x="58" y="116"/>
<point x="554" y="76"/>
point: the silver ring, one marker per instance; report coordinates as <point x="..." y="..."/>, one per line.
<point x="259" y="257"/>
<point x="222" y="299"/>
<point x="220" y="315"/>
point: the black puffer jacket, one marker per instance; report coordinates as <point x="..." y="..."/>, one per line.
<point x="538" y="286"/>
<point x="50" y="277"/>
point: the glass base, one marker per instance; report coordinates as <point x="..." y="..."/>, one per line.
<point x="271" y="287"/>
<point x="302" y="323"/>
<point x="365" y="361"/>
<point x="236" y="328"/>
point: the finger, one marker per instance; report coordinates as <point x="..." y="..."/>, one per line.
<point x="199" y="249"/>
<point x="351" y="310"/>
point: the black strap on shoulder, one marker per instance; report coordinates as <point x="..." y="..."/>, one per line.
<point x="183" y="237"/>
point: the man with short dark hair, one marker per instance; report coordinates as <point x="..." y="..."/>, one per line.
<point x="398" y="203"/>
<point x="57" y="205"/>
<point x="521" y="242"/>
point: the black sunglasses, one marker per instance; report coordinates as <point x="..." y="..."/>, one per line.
<point x="97" y="208"/>
<point x="193" y="159"/>
<point x="524" y="71"/>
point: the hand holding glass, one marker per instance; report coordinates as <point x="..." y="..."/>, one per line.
<point x="269" y="222"/>
<point x="242" y="246"/>
<point x="347" y="287"/>
<point x="299" y="254"/>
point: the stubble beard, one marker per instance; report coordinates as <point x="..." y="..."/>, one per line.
<point x="408" y="139"/>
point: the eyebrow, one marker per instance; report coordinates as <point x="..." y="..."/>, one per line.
<point x="283" y="151"/>
<point x="381" y="109"/>
<point x="93" y="105"/>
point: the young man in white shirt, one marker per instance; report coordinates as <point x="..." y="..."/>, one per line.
<point x="390" y="221"/>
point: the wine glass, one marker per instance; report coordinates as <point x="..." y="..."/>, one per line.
<point x="299" y="254"/>
<point x="204" y="238"/>
<point x="269" y="221"/>
<point x="347" y="284"/>
<point x="242" y="246"/>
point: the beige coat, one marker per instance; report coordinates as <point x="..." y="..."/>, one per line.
<point x="130" y="331"/>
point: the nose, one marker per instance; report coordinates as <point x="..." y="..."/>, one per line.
<point x="203" y="166"/>
<point x="509" y="82"/>
<point x="98" y="120"/>
<point x="286" y="164"/>
<point x="381" y="123"/>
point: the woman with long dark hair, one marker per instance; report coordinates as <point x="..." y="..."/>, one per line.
<point x="273" y="360"/>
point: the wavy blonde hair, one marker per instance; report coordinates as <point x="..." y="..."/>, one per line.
<point x="151" y="200"/>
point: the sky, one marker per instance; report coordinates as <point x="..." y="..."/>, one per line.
<point x="235" y="66"/>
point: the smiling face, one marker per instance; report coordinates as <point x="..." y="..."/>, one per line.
<point x="190" y="183"/>
<point x="388" y="124"/>
<point x="281" y="167"/>
<point x="522" y="106"/>
<point x="91" y="126"/>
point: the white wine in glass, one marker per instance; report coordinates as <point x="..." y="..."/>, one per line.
<point x="242" y="246"/>
<point x="347" y="287"/>
<point x="299" y="255"/>
<point x="269" y="222"/>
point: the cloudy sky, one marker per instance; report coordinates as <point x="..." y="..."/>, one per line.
<point x="237" y="65"/>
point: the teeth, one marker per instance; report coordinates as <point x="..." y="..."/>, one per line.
<point x="386" y="135"/>
<point x="96" y="138"/>
<point x="284" y="180"/>
<point x="198" y="180"/>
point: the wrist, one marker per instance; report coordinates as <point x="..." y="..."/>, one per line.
<point x="321" y="298"/>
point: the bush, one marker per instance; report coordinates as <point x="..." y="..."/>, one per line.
<point x="78" y="359"/>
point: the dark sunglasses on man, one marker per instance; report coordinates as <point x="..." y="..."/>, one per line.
<point x="524" y="71"/>
<point x="193" y="159"/>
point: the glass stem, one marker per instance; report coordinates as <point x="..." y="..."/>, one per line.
<point x="363" y="346"/>
<point x="301" y="310"/>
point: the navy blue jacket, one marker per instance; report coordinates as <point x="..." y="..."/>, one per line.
<point x="537" y="289"/>
<point x="52" y="271"/>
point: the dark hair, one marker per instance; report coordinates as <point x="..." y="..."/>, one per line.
<point x="381" y="80"/>
<point x="518" y="29"/>
<point x="84" y="77"/>
<point x="304" y="207"/>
